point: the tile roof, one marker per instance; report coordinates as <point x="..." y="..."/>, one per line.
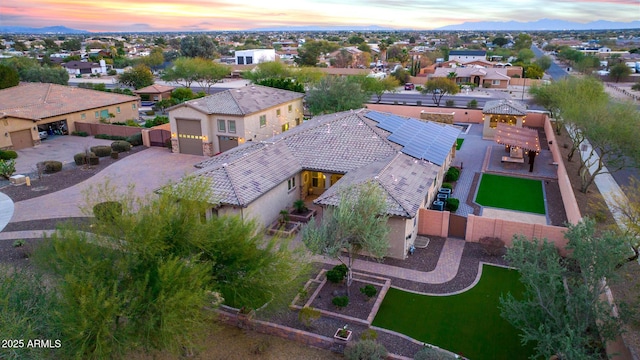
<point x="242" y="101"/>
<point x="154" y="89"/>
<point x="467" y="71"/>
<point x="344" y="143"/>
<point x="40" y="100"/>
<point x="504" y="107"/>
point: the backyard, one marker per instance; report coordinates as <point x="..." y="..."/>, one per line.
<point x="511" y="193"/>
<point x="468" y="323"/>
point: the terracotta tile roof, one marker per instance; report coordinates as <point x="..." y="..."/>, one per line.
<point x="241" y="101"/>
<point x="154" y="89"/>
<point x="504" y="107"/>
<point x="40" y="101"/>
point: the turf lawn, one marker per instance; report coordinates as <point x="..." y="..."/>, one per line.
<point x="468" y="324"/>
<point x="459" y="143"/>
<point x="511" y="193"/>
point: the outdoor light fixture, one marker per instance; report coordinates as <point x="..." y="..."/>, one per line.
<point x="6" y="134"/>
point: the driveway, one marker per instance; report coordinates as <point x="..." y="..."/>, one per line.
<point x="147" y="170"/>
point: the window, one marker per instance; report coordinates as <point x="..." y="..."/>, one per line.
<point x="249" y="60"/>
<point x="291" y="183"/>
<point x="232" y="126"/>
<point x="134" y="106"/>
<point x="97" y="115"/>
<point x="285" y="127"/>
<point x="290" y="108"/>
<point x="297" y="121"/>
<point x="278" y="112"/>
<point x="263" y="121"/>
<point x="240" y="60"/>
<point x="104" y="114"/>
<point x="221" y="126"/>
<point x="83" y="116"/>
<point x="495" y="82"/>
<point x="118" y="109"/>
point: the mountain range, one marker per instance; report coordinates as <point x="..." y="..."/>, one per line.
<point x="542" y="24"/>
<point x="42" y="30"/>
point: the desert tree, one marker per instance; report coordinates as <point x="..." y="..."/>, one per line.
<point x="439" y="87"/>
<point x="379" y="86"/>
<point x="138" y="77"/>
<point x="562" y="311"/>
<point x="626" y="209"/>
<point x="357" y="224"/>
<point x="334" y="94"/>
<point x="619" y="71"/>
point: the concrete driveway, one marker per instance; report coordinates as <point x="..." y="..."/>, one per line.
<point x="147" y="170"/>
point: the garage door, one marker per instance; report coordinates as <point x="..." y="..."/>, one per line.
<point x="189" y="136"/>
<point x="21" y="139"/>
<point x="227" y="143"/>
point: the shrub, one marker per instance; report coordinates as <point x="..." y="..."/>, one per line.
<point x="369" y="334"/>
<point x="452" y="204"/>
<point x="342" y="268"/>
<point x="450" y="103"/>
<point x="491" y="245"/>
<point x="101" y="150"/>
<point x="82" y="158"/>
<point x="107" y="211"/>
<point x="366" y="349"/>
<point x="120" y="146"/>
<point x="51" y="166"/>
<point x="335" y="276"/>
<point x="452" y="174"/>
<point x="447" y="186"/>
<point x="369" y="290"/>
<point x="8" y="155"/>
<point x="7" y="168"/>
<point x="340" y="301"/>
<point x="429" y="353"/>
<point x="158" y="120"/>
<point x="472" y="104"/>
<point x="150" y="113"/>
<point x="80" y="133"/>
<point x="18" y="243"/>
<point x="300" y="206"/>
<point x="110" y="137"/>
<point x="419" y="88"/>
<point x="308" y="316"/>
<point x="135" y="139"/>
<point x="636" y="86"/>
<point x="93" y="160"/>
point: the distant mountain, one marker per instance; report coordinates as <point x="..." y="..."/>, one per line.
<point x="43" y="30"/>
<point x="543" y="24"/>
<point x="324" y="28"/>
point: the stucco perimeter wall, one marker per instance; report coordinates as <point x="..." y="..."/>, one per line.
<point x="566" y="190"/>
<point x="459" y="115"/>
<point x="433" y="222"/>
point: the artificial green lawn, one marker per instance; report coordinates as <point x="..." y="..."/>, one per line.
<point x="459" y="143"/>
<point x="468" y="324"/>
<point x="511" y="193"/>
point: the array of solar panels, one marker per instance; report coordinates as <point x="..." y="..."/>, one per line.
<point x="423" y="140"/>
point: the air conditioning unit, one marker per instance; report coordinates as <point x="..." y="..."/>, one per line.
<point x="438" y="205"/>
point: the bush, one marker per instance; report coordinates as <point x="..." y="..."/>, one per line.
<point x="429" y="353"/>
<point x="472" y="104"/>
<point x="369" y="334"/>
<point x="8" y="155"/>
<point x="340" y="301"/>
<point x="491" y="245"/>
<point x="80" y="133"/>
<point x="107" y="211"/>
<point x="450" y="103"/>
<point x="366" y="350"/>
<point x="369" y="290"/>
<point x="51" y="166"/>
<point x="101" y="150"/>
<point x="452" y="174"/>
<point x="452" y="204"/>
<point x="158" y="120"/>
<point x="120" y="146"/>
<point x="447" y="186"/>
<point x="308" y="316"/>
<point x="82" y="158"/>
<point x="335" y="276"/>
<point x="636" y="86"/>
<point x="135" y="139"/>
<point x="110" y="137"/>
<point x="93" y="160"/>
<point x="7" y="168"/>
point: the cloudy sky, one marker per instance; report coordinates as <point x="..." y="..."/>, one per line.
<point x="193" y="15"/>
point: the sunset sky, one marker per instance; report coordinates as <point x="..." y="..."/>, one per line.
<point x="195" y="15"/>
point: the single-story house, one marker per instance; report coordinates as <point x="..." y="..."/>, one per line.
<point x="29" y="108"/>
<point x="481" y="76"/>
<point x="505" y="111"/>
<point x="406" y="158"/>
<point x="85" y="68"/>
<point x="224" y="120"/>
<point x="155" y="92"/>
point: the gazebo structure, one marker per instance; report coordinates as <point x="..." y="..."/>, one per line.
<point x="517" y="142"/>
<point x="155" y="92"/>
<point x="504" y="111"/>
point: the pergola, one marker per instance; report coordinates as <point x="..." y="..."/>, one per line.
<point x="520" y="139"/>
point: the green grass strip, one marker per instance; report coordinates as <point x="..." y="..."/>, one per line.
<point x="468" y="324"/>
<point x="459" y="143"/>
<point x="511" y="193"/>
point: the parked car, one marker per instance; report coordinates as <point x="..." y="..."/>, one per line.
<point x="409" y="86"/>
<point x="43" y="135"/>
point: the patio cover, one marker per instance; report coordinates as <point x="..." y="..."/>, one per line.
<point x="523" y="138"/>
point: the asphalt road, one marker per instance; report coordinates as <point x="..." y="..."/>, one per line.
<point x="555" y="71"/>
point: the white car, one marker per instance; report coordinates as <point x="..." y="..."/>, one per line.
<point x="43" y="135"/>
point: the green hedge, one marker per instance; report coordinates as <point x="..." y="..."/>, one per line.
<point x="8" y="155"/>
<point x="453" y="174"/>
<point x="80" y="133"/>
<point x="135" y="139"/>
<point x="101" y="150"/>
<point x="110" y="137"/>
<point x="82" y="158"/>
<point x="120" y="146"/>
<point x="452" y="204"/>
<point x="51" y="166"/>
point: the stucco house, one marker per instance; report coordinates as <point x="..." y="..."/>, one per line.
<point x="480" y="76"/>
<point x="29" y="108"/>
<point x="464" y="56"/>
<point x="75" y="67"/>
<point x="405" y="157"/>
<point x="254" y="56"/>
<point x="224" y="120"/>
<point x="505" y="111"/>
<point x="155" y="92"/>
